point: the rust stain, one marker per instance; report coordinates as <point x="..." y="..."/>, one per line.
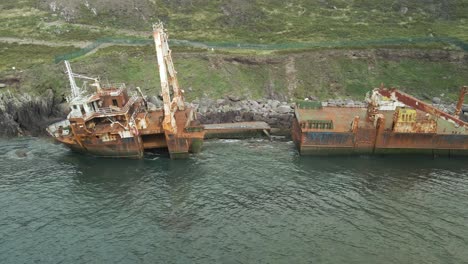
<point x="393" y="122"/>
<point x="418" y="104"/>
<point x="461" y="99"/>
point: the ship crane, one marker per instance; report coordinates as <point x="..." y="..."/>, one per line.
<point x="424" y="107"/>
<point x="168" y="78"/>
<point x="96" y="80"/>
<point x="461" y="99"/>
<point x="75" y="90"/>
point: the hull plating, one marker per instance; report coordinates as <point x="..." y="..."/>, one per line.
<point x="332" y="143"/>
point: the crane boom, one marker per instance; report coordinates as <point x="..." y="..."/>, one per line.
<point x="168" y="79"/>
<point x="461" y="99"/>
<point x="96" y="80"/>
<point x="420" y="105"/>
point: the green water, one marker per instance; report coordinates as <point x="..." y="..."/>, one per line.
<point x="236" y="202"/>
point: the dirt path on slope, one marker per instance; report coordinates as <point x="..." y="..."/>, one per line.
<point x="57" y="43"/>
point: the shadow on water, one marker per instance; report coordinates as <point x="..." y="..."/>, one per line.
<point x="381" y="164"/>
<point x="171" y="186"/>
<point x="382" y="171"/>
<point x="158" y="183"/>
<point x="179" y="177"/>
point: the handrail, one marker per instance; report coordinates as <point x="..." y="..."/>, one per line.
<point x="111" y="111"/>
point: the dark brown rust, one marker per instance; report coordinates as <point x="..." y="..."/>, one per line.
<point x="394" y="123"/>
<point x="461" y="99"/>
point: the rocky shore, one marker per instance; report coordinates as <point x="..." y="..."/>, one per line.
<point x="23" y="114"/>
<point x="276" y="113"/>
<point x="29" y="115"/>
<point x="233" y="109"/>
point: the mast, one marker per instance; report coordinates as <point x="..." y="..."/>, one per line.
<point x="168" y="79"/>
<point x="75" y="90"/>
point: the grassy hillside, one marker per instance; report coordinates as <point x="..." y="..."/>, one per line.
<point x="323" y="74"/>
<point x="255" y="21"/>
<point x="283" y="75"/>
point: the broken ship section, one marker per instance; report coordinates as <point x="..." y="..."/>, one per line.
<point x="109" y="122"/>
<point x="392" y="123"/>
<point x="112" y="123"/>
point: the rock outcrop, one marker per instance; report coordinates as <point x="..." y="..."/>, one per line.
<point x="29" y="115"/>
<point x="277" y="114"/>
<point x="25" y="114"/>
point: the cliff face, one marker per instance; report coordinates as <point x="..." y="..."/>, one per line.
<point x="28" y="115"/>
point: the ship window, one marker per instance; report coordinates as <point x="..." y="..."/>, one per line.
<point x="320" y="124"/>
<point x="114" y="102"/>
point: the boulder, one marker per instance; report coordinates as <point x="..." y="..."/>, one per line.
<point x="21" y="153"/>
<point x="226" y="108"/>
<point x="155" y="101"/>
<point x="436" y="100"/>
<point x="274" y="104"/>
<point x="220" y="102"/>
<point x="253" y="103"/>
<point x="234" y="98"/>
<point x="283" y="109"/>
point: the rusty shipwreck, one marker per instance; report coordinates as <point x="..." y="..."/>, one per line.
<point x="392" y="122"/>
<point x="111" y="121"/>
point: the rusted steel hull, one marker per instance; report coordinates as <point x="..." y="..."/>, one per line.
<point x="132" y="148"/>
<point x="412" y="127"/>
<point x="104" y="140"/>
<point x="330" y="143"/>
<point x="126" y="148"/>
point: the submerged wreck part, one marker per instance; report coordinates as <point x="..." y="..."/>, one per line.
<point x="237" y="130"/>
<point x="393" y="122"/>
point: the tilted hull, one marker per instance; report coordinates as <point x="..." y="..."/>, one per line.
<point x="104" y="140"/>
<point x="126" y="148"/>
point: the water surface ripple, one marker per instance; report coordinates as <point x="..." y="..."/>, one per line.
<point x="237" y="202"/>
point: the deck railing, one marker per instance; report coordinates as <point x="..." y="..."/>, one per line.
<point x="104" y="111"/>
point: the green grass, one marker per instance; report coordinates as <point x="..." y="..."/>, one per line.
<point x="33" y="65"/>
<point x="215" y="74"/>
<point x="324" y="74"/>
<point x="244" y="21"/>
<point x="25" y="56"/>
